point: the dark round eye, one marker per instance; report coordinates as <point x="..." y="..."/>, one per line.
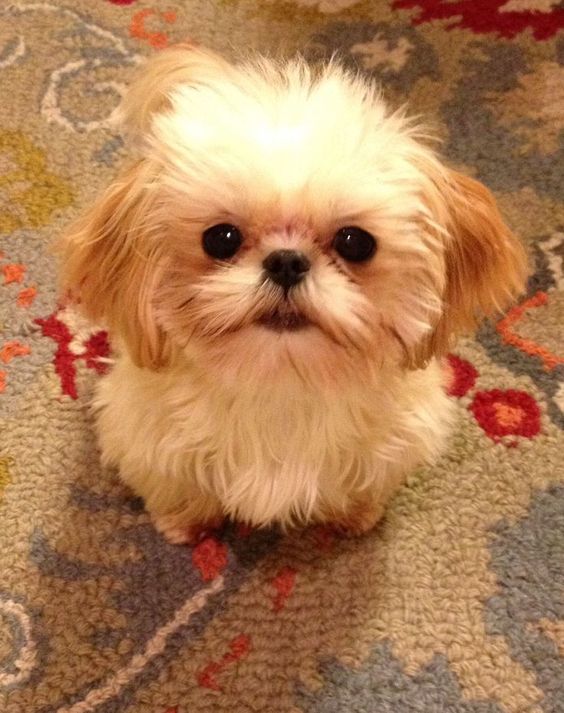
<point x="222" y="241"/>
<point x="354" y="244"/>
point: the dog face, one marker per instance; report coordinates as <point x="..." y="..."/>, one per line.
<point x="277" y="223"/>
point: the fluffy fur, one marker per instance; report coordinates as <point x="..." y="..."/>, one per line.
<point x="207" y="412"/>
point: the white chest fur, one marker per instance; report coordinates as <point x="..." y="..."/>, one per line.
<point x="266" y="453"/>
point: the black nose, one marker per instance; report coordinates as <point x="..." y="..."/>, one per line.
<point x="286" y="267"/>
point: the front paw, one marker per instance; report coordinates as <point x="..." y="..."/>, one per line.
<point x="184" y="534"/>
<point x="358" y="520"/>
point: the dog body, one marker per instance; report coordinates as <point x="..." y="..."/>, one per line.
<point x="280" y="267"/>
<point x="197" y="450"/>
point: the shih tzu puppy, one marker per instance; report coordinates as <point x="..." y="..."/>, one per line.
<point x="280" y="267"/>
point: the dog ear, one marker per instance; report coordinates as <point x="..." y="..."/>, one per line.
<point x="110" y="267"/>
<point x="150" y="93"/>
<point x="485" y="264"/>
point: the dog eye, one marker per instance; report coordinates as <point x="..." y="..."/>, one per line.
<point x="354" y="244"/>
<point x="222" y="241"/>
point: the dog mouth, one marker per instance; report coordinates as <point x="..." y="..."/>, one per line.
<point x="283" y="321"/>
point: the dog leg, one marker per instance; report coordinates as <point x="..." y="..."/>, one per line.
<point x="188" y="525"/>
<point x="359" y="519"/>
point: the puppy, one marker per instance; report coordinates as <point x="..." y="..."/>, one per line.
<point x="280" y="268"/>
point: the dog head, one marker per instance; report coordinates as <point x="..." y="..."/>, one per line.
<point x="280" y="221"/>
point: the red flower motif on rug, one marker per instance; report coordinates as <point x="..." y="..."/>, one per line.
<point x="27" y="296"/>
<point x="13" y="349"/>
<point x="75" y="340"/>
<point x="506" y="328"/>
<point x="283" y="584"/>
<point x="155" y="37"/>
<point x="506" y="413"/>
<point x="460" y="376"/>
<point x="239" y="647"/>
<point x="13" y="273"/>
<point x="210" y="558"/>
<point x="507" y="18"/>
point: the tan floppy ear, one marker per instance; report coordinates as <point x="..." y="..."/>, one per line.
<point x="485" y="264"/>
<point x="110" y="267"/>
<point x="150" y="91"/>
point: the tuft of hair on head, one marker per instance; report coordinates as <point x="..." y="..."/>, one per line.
<point x="150" y="92"/>
<point x="485" y="264"/>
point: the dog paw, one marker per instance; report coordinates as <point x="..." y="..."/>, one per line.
<point x="175" y="534"/>
<point x="358" y="521"/>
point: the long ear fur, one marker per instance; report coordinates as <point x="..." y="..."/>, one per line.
<point x="110" y="266"/>
<point x="485" y="264"/>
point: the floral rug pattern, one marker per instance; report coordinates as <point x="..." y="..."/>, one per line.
<point x="456" y="602"/>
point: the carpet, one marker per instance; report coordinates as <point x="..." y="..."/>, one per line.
<point x="456" y="602"/>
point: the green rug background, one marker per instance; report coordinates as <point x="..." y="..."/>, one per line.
<point x="456" y="602"/>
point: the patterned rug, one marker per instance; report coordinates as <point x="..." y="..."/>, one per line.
<point x="456" y="602"/>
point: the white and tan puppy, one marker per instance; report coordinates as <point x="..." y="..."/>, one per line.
<point x="279" y="267"/>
